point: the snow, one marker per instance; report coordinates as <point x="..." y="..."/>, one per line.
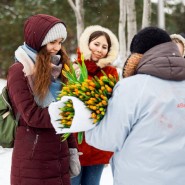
<point x="5" y="162"/>
<point x="2" y="84"/>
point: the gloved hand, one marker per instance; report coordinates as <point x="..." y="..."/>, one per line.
<point x="74" y="162"/>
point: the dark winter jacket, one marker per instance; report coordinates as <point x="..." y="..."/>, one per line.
<point x="39" y="156"/>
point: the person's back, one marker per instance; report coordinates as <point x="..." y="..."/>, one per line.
<point x="144" y="124"/>
<point x="153" y="152"/>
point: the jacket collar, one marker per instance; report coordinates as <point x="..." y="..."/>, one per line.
<point x="163" y="61"/>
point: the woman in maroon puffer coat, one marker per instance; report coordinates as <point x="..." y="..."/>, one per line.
<point x="39" y="156"/>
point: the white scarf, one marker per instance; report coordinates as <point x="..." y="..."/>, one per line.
<point x="27" y="58"/>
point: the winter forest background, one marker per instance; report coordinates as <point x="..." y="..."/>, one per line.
<point x="123" y="17"/>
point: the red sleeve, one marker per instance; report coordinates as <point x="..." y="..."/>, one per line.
<point x="111" y="70"/>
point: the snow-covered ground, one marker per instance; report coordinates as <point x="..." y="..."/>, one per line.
<point x="2" y="84"/>
<point x="5" y="162"/>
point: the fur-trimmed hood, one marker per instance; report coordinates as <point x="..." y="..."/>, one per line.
<point x="84" y="48"/>
<point x="181" y="39"/>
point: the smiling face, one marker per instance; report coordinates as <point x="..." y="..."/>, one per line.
<point x="99" y="48"/>
<point x="54" y="46"/>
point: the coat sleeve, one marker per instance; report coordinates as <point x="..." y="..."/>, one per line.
<point x="111" y="70"/>
<point x="22" y="99"/>
<point x="72" y="143"/>
<point x="112" y="131"/>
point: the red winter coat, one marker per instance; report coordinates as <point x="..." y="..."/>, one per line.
<point x="91" y="155"/>
<point x="39" y="157"/>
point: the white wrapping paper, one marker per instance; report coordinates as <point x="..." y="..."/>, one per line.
<point x="81" y="121"/>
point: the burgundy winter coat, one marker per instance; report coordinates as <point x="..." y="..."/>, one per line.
<point x="39" y="157"/>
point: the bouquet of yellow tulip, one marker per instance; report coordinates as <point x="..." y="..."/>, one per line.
<point x="94" y="93"/>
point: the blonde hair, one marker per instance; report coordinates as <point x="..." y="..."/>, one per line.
<point x="177" y="40"/>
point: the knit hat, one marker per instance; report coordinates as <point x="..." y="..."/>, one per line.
<point x="144" y="40"/>
<point x="57" y="31"/>
<point x="179" y="38"/>
<point x="41" y="29"/>
<point x="147" y="38"/>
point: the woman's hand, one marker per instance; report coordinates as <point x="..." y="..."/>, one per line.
<point x="77" y="70"/>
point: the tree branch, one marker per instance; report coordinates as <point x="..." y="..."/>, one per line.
<point x="71" y="3"/>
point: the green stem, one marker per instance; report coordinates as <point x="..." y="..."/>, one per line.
<point x="80" y="137"/>
<point x="65" y="136"/>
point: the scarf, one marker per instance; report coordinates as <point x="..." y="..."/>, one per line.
<point x="27" y="56"/>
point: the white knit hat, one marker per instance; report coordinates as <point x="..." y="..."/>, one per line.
<point x="56" y="32"/>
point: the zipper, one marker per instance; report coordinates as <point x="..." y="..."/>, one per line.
<point x="34" y="145"/>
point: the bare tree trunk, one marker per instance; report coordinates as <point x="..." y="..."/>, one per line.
<point x="79" y="13"/>
<point x="121" y="33"/>
<point x="161" y="14"/>
<point x="131" y="22"/>
<point x="146" y="20"/>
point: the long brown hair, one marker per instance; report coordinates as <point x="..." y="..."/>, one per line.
<point x="42" y="72"/>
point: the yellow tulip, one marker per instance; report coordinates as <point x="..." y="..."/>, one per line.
<point x="66" y="67"/>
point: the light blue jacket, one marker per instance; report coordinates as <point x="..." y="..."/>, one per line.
<point x="145" y="128"/>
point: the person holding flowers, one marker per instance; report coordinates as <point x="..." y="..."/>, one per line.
<point x="39" y="156"/>
<point x="144" y="123"/>
<point x="99" y="47"/>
